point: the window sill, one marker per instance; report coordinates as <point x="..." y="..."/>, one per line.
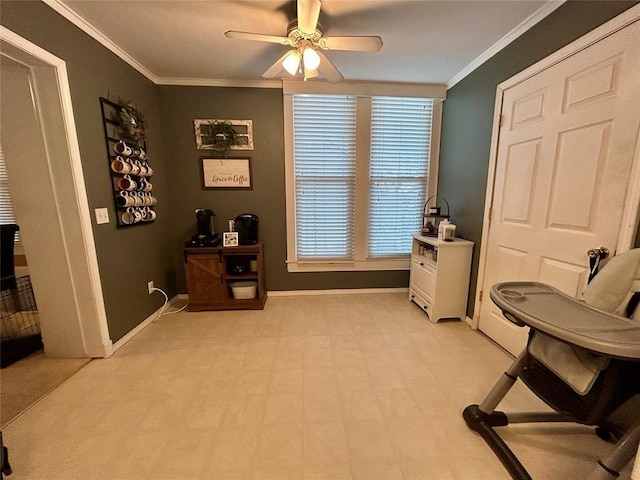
<point x="354" y="266"/>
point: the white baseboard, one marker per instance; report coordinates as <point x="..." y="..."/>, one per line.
<point x="142" y="325"/>
<point x="338" y="291"/>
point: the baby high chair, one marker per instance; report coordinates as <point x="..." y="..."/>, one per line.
<point x="582" y="359"/>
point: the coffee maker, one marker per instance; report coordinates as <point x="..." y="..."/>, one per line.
<point x="246" y="225"/>
<point x="205" y="237"/>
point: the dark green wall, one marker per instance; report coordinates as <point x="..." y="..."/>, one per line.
<point x="180" y="106"/>
<point x="128" y="257"/>
<point x="468" y="113"/>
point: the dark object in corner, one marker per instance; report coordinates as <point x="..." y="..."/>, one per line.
<point x="18" y="311"/>
<point x="20" y="322"/>
<point x="7" y="269"/>
<point x="4" y="459"/>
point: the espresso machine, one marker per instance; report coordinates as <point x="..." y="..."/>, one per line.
<point x="206" y="236"/>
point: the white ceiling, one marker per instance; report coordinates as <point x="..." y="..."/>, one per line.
<point x="183" y="42"/>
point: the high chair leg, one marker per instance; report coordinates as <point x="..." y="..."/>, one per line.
<point x="483" y="418"/>
<point x="626" y="449"/>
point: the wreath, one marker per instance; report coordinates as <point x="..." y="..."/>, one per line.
<point x="131" y="123"/>
<point x="221" y="135"/>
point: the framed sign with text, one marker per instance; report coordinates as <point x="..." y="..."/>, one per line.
<point x="227" y="173"/>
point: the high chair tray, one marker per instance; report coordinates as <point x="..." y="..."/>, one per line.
<point x="548" y="310"/>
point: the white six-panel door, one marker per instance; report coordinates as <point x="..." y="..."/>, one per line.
<point x="565" y="152"/>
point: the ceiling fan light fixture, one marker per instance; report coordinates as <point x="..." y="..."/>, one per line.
<point x="310" y="73"/>
<point x="306" y="45"/>
<point x="291" y="63"/>
<point x="310" y="58"/>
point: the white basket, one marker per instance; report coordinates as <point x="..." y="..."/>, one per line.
<point x="244" y="290"/>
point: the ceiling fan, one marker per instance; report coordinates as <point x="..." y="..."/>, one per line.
<point x="305" y="37"/>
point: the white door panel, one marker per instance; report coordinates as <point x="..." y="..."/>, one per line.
<point x="566" y="277"/>
<point x="563" y="164"/>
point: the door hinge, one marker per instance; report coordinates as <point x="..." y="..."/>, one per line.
<point x="500" y="119"/>
<point x="480" y="296"/>
<point x="490" y="213"/>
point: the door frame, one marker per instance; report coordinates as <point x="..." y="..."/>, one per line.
<point x="632" y="203"/>
<point x="54" y="97"/>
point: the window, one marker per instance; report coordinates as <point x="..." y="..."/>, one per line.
<point x="399" y="169"/>
<point x="6" y="208"/>
<point x="358" y="173"/>
<point x="325" y="175"/>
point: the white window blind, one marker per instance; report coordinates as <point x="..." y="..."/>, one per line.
<point x="324" y="143"/>
<point x="6" y="207"/>
<point x="398" y="172"/>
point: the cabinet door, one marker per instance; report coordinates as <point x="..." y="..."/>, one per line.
<point x="423" y="278"/>
<point x="205" y="282"/>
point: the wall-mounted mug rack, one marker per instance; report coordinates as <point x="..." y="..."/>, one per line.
<point x="130" y="169"/>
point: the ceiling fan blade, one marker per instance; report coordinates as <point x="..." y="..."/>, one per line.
<point x="308" y="13"/>
<point x="258" y="37"/>
<point x="357" y="44"/>
<point x="328" y="69"/>
<point x="276" y="68"/>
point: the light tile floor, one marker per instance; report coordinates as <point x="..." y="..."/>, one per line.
<point x="327" y="387"/>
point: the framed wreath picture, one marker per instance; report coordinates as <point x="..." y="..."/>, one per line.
<point x="227" y="173"/>
<point x="223" y="135"/>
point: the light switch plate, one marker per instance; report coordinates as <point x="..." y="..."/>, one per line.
<point x="102" y="215"/>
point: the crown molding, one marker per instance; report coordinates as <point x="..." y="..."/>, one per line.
<point x="97" y="35"/>
<point x="521" y="28"/>
<point x="218" y="82"/>
<point x="617" y="23"/>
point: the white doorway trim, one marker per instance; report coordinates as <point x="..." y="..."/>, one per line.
<point x="50" y="74"/>
<point x="630" y="218"/>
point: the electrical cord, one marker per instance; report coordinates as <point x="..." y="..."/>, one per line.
<point x="162" y="313"/>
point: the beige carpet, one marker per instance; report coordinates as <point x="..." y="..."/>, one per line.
<point x="28" y="380"/>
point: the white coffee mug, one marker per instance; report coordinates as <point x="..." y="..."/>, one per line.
<point x="120" y="165"/>
<point x="121" y="148"/>
<point x="135" y="169"/>
<point x="127" y="183"/>
<point x="141" y="166"/>
<point x="138" y="200"/>
<point x="128" y="217"/>
<point x="123" y="199"/>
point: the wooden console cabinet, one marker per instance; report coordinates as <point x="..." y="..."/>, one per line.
<point x="211" y="271"/>
<point x="439" y="282"/>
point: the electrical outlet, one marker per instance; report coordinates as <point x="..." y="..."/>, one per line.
<point x="150" y="287"/>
